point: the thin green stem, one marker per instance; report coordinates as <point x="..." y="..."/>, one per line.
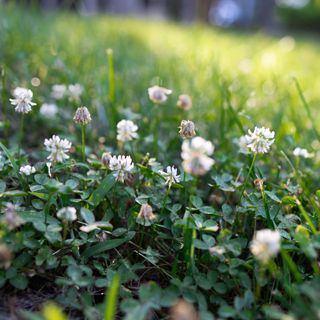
<point x="165" y="200"/>
<point x="306" y="216"/>
<point x="185" y="189"/>
<point x="256" y="282"/>
<point x="191" y="251"/>
<point x="291" y="265"/>
<point x="266" y="208"/>
<point x="20" y="134"/>
<point x="248" y="175"/>
<point x="306" y="106"/>
<point x="111" y="83"/>
<point x="155" y="131"/>
<point x="232" y="112"/>
<point x="65" y="231"/>
<point x="83" y="146"/>
<point x="4" y="104"/>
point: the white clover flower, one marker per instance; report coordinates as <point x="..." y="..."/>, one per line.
<point x="171" y="175"/>
<point x="158" y="94"/>
<point x="82" y="116"/>
<point x="184" y="102"/>
<point x="75" y="91"/>
<point x="146" y="212"/>
<point x="22" y="100"/>
<point x="126" y="130"/>
<point x="265" y="244"/>
<point x="11" y="217"/>
<point x="49" y="110"/>
<point x="58" y="91"/>
<point x="122" y="167"/>
<point x="67" y="213"/>
<point x="27" y="170"/>
<point x="195" y="154"/>
<point x="260" y="140"/>
<point x="58" y="148"/>
<point x="304" y="153"/>
<point x="187" y="129"/>
<point x="243" y="144"/>
<point x="217" y="251"/>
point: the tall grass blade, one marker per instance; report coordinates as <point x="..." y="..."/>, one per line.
<point x="112" y="299"/>
<point x="111" y="83"/>
<point x="306" y="106"/>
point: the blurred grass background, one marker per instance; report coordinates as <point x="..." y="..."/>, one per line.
<point x="252" y="70"/>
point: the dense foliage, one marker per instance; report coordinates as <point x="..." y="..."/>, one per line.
<point x="80" y="219"/>
<point x="300" y="14"/>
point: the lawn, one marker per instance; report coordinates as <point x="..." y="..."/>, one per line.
<point x="234" y="233"/>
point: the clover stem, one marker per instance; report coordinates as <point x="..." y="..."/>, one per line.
<point x="165" y="200"/>
<point x="83" y="146"/>
<point x="20" y="133"/>
<point x="65" y="230"/>
<point x="248" y="175"/>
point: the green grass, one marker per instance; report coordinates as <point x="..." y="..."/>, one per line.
<point x="238" y="80"/>
<point x="191" y="59"/>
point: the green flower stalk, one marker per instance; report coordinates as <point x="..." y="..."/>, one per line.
<point x="82" y="117"/>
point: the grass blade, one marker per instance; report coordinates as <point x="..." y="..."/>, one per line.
<point x="306" y="106"/>
<point x="112" y="299"/>
<point x="111" y="83"/>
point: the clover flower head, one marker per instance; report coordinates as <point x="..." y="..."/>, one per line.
<point x="265" y="244"/>
<point x="11" y="217"/>
<point x="49" y="110"/>
<point x="187" y="129"/>
<point x="146" y="212"/>
<point x="304" y="153"/>
<point x="58" y="148"/>
<point x="22" y="100"/>
<point x="217" y="251"/>
<point x="75" y="91"/>
<point x="158" y="94"/>
<point x="184" y="102"/>
<point x="260" y="140"/>
<point x="126" y="130"/>
<point x="195" y="154"/>
<point x="27" y="170"/>
<point x="67" y="214"/>
<point x="122" y="167"/>
<point x="58" y="91"/>
<point x="171" y="175"/>
<point x="82" y="116"/>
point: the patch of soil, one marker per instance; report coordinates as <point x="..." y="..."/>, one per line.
<point x="31" y="299"/>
